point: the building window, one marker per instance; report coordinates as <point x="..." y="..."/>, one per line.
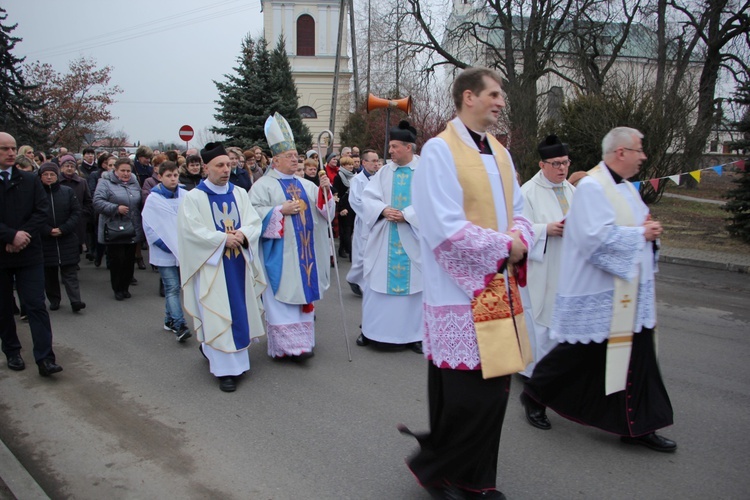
<point x="307" y="112"/>
<point x="305" y="35"/>
<point x="714" y="147"/>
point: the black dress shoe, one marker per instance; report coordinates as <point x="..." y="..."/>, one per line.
<point x="119" y="296"/>
<point x="416" y="347"/>
<point x="536" y="414"/>
<point x="15" y="362"/>
<point x="355" y="289"/>
<point x="77" y="306"/>
<point x="126" y="294"/>
<point x="54" y="306"/>
<point x="653" y="441"/>
<point x="47" y="367"/>
<point x="304" y="356"/>
<point x="227" y="384"/>
<point x="362" y="340"/>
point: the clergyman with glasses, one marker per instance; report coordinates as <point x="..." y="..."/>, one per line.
<point x="294" y="245"/>
<point x="604" y="372"/>
<point x="547" y="197"/>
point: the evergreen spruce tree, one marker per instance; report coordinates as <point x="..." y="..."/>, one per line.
<point x="739" y="198"/>
<point x="242" y="100"/>
<point x="284" y="98"/>
<point x="16" y="108"/>
<point x="261" y="85"/>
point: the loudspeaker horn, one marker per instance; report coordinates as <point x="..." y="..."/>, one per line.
<point x="377" y="103"/>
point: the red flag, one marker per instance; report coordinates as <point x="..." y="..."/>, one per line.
<point x="654" y="184"/>
<point x="741" y="165"/>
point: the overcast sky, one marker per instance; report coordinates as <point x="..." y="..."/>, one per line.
<point x="164" y="54"/>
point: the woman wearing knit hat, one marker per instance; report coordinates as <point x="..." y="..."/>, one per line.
<point x="60" y="240"/>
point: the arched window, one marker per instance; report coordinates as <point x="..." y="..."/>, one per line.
<point x="307" y="112"/>
<point x="305" y="35"/>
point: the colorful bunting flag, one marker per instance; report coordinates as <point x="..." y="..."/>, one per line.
<point x="654" y="183"/>
<point x="675" y="179"/>
<point x="637" y="185"/>
<point x="696" y="174"/>
<point x="741" y="165"/>
<point x="718" y="169"/>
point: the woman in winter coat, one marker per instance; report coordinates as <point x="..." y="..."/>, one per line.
<point x="118" y="198"/>
<point x="191" y="173"/>
<point x="343" y="209"/>
<point x="60" y="240"/>
<point x="69" y="177"/>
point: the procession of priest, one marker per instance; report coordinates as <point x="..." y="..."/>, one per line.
<point x="453" y="259"/>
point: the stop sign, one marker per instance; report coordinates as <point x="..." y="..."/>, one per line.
<point x="186" y="133"/>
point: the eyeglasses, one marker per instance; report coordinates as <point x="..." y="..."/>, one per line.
<point x="640" y="150"/>
<point x="558" y="164"/>
<point x="290" y="156"/>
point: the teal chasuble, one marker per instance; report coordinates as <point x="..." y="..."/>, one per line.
<point x="399" y="265"/>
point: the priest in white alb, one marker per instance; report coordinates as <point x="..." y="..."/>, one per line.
<point x="370" y="166"/>
<point x="547" y="197"/>
<point x="294" y="245"/>
<point x="604" y="373"/>
<point x="392" y="296"/>
<point x="217" y="241"/>
<point x="474" y="242"/>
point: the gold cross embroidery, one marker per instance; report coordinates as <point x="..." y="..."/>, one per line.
<point x="293" y="190"/>
<point x="400" y="199"/>
<point x="625" y="301"/>
<point x="398" y="289"/>
<point x="402" y="179"/>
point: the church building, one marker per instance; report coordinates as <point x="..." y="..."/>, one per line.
<point x="310" y="29"/>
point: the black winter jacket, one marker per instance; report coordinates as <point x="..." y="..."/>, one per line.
<point x="23" y="207"/>
<point x="64" y="213"/>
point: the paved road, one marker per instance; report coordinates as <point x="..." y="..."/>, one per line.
<point x="136" y="415"/>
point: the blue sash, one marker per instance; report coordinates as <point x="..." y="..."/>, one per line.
<point x="399" y="265"/>
<point x="303" y="232"/>
<point x="226" y="217"/>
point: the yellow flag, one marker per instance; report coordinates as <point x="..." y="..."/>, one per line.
<point x="696" y="174"/>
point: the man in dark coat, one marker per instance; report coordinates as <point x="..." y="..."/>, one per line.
<point x="60" y="240"/>
<point x="23" y="213"/>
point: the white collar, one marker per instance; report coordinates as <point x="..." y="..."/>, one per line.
<point x="217" y="189"/>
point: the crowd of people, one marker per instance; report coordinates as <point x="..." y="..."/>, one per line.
<point x="452" y="257"/>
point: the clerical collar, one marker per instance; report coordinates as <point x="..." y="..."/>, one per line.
<point x="368" y="174"/>
<point x="285" y="176"/>
<point x="217" y="189"/>
<point x="480" y="139"/>
<point x="617" y="177"/>
<point x="549" y="183"/>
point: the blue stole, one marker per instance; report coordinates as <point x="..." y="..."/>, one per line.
<point x="303" y="231"/>
<point x="226" y="217"/>
<point x="399" y="265"/>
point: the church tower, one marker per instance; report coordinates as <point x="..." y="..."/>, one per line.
<point x="310" y="30"/>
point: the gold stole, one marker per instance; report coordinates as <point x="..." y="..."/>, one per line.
<point x="501" y="329"/>
<point x="625" y="300"/>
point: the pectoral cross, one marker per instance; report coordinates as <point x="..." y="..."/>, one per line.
<point x="625" y="301"/>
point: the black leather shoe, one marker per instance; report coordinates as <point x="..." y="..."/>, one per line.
<point x="304" y="356"/>
<point x="653" y="441"/>
<point x="47" y="367"/>
<point x="355" y="289"/>
<point x="362" y="340"/>
<point x="119" y="296"/>
<point x="15" y="362"/>
<point x="126" y="294"/>
<point x="227" y="384"/>
<point x="416" y="347"/>
<point x="536" y="414"/>
<point x="54" y="306"/>
<point x="77" y="306"/>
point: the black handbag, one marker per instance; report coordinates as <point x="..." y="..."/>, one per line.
<point x="119" y="230"/>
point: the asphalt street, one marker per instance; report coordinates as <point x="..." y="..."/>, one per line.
<point x="137" y="415"/>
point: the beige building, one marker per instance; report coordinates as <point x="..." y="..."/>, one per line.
<point x="310" y="32"/>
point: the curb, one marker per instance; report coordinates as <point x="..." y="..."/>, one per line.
<point x="17" y="478"/>
<point x="723" y="266"/>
